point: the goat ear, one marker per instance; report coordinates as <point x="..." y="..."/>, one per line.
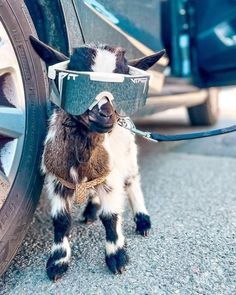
<point x="144" y="63"/>
<point x="47" y="53"/>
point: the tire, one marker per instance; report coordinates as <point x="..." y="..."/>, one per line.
<point x="24" y="188"/>
<point x="206" y="114"/>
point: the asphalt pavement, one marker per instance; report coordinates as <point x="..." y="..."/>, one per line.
<point x="190" y="192"/>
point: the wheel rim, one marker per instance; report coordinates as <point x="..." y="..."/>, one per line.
<point x="12" y="115"/>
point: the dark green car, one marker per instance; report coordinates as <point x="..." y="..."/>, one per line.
<point x="200" y="40"/>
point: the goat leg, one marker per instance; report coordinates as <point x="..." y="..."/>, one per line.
<point x="90" y="212"/>
<point x="112" y="203"/>
<point x="135" y="195"/>
<point x="60" y="198"/>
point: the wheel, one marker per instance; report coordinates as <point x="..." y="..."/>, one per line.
<point x="206" y="113"/>
<point x="23" y="85"/>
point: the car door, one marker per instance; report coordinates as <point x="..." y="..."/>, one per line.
<point x="134" y="25"/>
<point x="212" y="27"/>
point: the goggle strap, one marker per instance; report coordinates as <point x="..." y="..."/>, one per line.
<point x="59" y="66"/>
<point x="54" y="94"/>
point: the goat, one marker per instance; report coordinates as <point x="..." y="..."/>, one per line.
<point x="82" y="148"/>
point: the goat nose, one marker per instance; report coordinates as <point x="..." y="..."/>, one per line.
<point x="105" y="113"/>
<point x="106" y="109"/>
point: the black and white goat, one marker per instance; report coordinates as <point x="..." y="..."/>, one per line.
<point x="82" y="148"/>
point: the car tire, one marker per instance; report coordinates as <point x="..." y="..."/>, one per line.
<point x="207" y="113"/>
<point x="22" y="197"/>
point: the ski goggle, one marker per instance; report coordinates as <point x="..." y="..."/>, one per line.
<point x="76" y="92"/>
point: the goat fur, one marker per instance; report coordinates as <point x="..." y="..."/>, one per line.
<point x="78" y="154"/>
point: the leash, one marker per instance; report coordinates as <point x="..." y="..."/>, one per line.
<point x="127" y="123"/>
<point x="81" y="189"/>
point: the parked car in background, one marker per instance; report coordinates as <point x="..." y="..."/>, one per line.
<point x="200" y="41"/>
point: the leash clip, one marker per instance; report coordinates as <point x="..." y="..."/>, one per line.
<point x="127" y="123"/>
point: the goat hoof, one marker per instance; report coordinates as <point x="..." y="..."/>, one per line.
<point x="88" y="221"/>
<point x="55" y="270"/>
<point x="123" y="269"/>
<point x="117" y="262"/>
<point x="143" y="224"/>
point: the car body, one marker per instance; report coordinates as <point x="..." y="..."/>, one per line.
<point x="181" y="27"/>
<point x="199" y="38"/>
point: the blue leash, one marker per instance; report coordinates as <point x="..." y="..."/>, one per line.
<point x="127" y="123"/>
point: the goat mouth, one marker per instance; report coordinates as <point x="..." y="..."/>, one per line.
<point x="100" y="128"/>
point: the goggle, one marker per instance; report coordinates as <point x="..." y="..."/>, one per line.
<point x="76" y="92"/>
